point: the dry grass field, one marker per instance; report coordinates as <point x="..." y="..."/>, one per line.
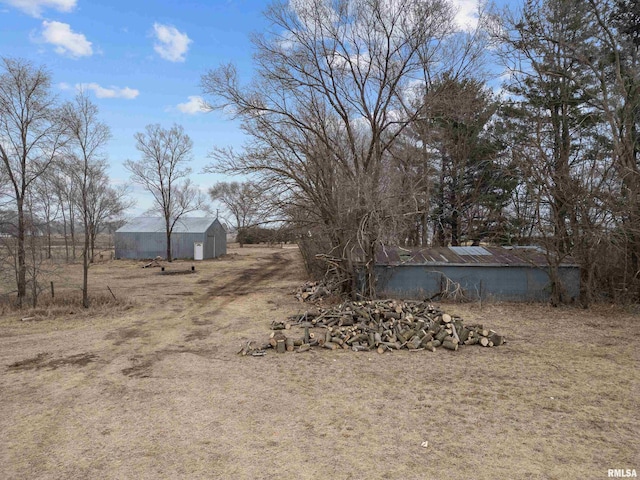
<point x="151" y="387"/>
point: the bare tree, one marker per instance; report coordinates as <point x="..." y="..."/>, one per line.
<point x="47" y="205"/>
<point x="88" y="138"/>
<point x="162" y="171"/>
<point x="65" y="189"/>
<point x="246" y="202"/>
<point x="105" y="204"/>
<point x="329" y="102"/>
<point x="30" y="138"/>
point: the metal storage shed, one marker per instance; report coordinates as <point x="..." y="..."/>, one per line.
<point x="500" y="273"/>
<point x="145" y="237"/>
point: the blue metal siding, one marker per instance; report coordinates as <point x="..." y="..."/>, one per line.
<point x="512" y="283"/>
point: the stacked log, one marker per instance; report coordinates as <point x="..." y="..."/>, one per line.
<point x="376" y="325"/>
<point x="312" y="291"/>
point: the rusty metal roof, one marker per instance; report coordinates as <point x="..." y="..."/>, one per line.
<point x="467" y="256"/>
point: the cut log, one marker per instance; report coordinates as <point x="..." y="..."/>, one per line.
<point x="454" y="334"/>
<point x="429" y="347"/>
<point x="360" y="348"/>
<point x="392" y="345"/>
<point x="449" y="345"/>
<point x="361" y="337"/>
<point x="289" y="344"/>
<point x="464" y="334"/>
<point x="442" y="334"/>
<point x="415" y="342"/>
<point x="345" y="322"/>
<point x="280" y="346"/>
<point x="435" y="329"/>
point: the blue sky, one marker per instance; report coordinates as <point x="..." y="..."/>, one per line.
<point x="142" y="61"/>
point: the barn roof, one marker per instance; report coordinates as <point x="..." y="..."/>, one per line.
<point x="156" y="224"/>
<point x="466" y="256"/>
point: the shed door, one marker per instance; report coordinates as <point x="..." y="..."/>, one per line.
<point x="198" y="251"/>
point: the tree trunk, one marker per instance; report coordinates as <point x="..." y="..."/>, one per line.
<point x="66" y="238"/>
<point x="85" y="270"/>
<point x="72" y="230"/>
<point x="22" y="264"/>
<point x="48" y="237"/>
<point x="455" y="227"/>
<point x="34" y="270"/>
<point x="92" y="247"/>
<point x="169" y="259"/>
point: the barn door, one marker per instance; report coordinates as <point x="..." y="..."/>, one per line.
<point x="198" y="251"/>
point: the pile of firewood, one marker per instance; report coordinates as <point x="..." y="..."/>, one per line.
<point x="312" y="291"/>
<point x="380" y="325"/>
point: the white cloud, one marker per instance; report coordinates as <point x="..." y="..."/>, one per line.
<point x="35" y="7"/>
<point x="171" y="44"/>
<point x="66" y="41"/>
<point x="64" y="86"/>
<point x="194" y="106"/>
<point x="467" y="14"/>
<point x="111" y="92"/>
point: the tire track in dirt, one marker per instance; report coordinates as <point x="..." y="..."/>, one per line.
<point x="244" y="281"/>
<point x="249" y="280"/>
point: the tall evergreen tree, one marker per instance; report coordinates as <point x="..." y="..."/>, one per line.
<point x="472" y="184"/>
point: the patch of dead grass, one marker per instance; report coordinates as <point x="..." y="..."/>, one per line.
<point x="169" y="397"/>
<point x="69" y="303"/>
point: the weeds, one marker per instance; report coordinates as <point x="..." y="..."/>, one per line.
<point x="67" y="303"/>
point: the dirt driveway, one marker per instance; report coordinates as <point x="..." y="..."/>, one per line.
<point x="156" y="390"/>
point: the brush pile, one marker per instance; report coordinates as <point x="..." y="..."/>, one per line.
<point x="380" y="325"/>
